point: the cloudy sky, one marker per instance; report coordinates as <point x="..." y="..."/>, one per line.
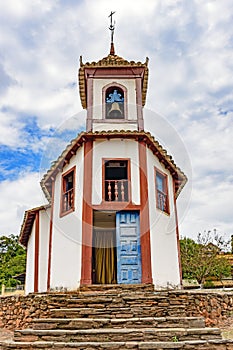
<point x="189" y="103"/>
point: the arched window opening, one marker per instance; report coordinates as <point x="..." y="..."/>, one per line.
<point x="114" y="100"/>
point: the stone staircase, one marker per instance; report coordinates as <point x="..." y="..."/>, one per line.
<point x="118" y="317"/>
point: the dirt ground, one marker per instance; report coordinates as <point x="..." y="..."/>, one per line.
<point x="227" y="328"/>
<point x="5" y="334"/>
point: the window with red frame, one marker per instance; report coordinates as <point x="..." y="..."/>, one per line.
<point x="161" y="191"/>
<point x="116" y="187"/>
<point x="67" y="196"/>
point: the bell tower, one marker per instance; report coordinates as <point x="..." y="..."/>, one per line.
<point x="113" y="91"/>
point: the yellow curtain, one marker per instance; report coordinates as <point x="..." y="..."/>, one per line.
<point x="104" y="243"/>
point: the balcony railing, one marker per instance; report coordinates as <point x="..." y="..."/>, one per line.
<point x="68" y="200"/>
<point x="162" y="201"/>
<point x="116" y="191"/>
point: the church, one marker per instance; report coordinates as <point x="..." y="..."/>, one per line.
<point x="111" y="193"/>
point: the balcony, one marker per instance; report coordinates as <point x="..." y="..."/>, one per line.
<point x="68" y="200"/>
<point x="116" y="191"/>
<point x="162" y="201"/>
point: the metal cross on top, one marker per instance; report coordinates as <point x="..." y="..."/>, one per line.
<point x="112" y="26"/>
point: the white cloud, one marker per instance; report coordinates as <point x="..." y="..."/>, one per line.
<point x="25" y="9"/>
<point x="9" y="130"/>
<point x="16" y="197"/>
<point x="210" y="207"/>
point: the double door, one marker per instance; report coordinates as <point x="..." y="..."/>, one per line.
<point x="117" y="252"/>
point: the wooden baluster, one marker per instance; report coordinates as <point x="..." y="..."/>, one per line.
<point x="71" y="199"/>
<point x="116" y="190"/>
<point x="162" y="201"/>
<point x="64" y="202"/>
<point x="165" y="202"/>
<point x="68" y="200"/>
<point x="122" y="191"/>
<point x="109" y="192"/>
<point x="159" y="196"/>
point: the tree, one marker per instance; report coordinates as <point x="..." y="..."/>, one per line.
<point x="201" y="259"/>
<point x="12" y="260"/>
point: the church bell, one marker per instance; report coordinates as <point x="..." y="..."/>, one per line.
<point x="115" y="111"/>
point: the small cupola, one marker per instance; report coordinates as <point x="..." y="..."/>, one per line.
<point x="113" y="91"/>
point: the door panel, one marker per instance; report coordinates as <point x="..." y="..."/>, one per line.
<point x="128" y="247"/>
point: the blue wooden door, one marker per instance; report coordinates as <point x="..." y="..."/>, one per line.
<point x="128" y="247"/>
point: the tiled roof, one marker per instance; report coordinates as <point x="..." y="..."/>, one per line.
<point x="75" y="144"/>
<point x="111" y="61"/>
<point x="28" y="220"/>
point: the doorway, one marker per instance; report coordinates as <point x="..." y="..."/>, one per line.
<point x="116" y="250"/>
<point x="104" y="266"/>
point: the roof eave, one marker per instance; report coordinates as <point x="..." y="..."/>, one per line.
<point x="151" y="143"/>
<point x="111" y="61"/>
<point x="26" y="227"/>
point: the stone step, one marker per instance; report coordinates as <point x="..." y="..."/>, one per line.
<point x="135" y="322"/>
<point x="160" y="302"/>
<point x="117" y="288"/>
<point x="137" y="310"/>
<point x="117" y="334"/>
<point x="122" y="345"/>
<point x="117" y="317"/>
<point x="126" y="298"/>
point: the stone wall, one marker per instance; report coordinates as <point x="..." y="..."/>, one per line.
<point x="214" y="306"/>
<point x="17" y="312"/>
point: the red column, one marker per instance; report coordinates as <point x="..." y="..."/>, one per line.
<point x="177" y="233"/>
<point x="87" y="216"/>
<point x="144" y="216"/>
<point x="50" y="238"/>
<point x="36" y="256"/>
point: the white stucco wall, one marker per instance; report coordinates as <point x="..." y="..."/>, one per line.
<point x="114" y="126"/>
<point x="29" y="283"/>
<point x="44" y="217"/>
<point x="164" y="252"/>
<point x="67" y="232"/>
<point x="111" y="149"/>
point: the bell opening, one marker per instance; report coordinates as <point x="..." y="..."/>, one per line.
<point x="114" y="103"/>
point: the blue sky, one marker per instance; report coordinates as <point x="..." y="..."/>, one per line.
<point x="189" y="103"/>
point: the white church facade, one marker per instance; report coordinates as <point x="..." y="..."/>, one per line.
<point x="111" y="194"/>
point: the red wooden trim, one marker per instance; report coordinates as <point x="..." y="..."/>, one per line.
<point x="144" y="215"/>
<point x="63" y="213"/>
<point x="50" y="238"/>
<point x="36" y="254"/>
<point x="116" y="206"/>
<point x="87" y="216"/>
<point x="115" y="121"/>
<point x="105" y="88"/>
<point x="165" y="176"/>
<point x="89" y="103"/>
<point x="177" y="234"/>
<point x="139" y="104"/>
<point x="114" y="72"/>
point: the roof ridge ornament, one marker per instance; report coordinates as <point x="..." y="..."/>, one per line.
<point x="112" y="28"/>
